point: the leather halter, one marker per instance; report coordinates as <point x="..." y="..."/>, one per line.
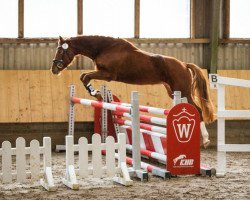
<point x="60" y="62"/>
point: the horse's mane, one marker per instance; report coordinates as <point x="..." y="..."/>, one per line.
<point x="97" y="44"/>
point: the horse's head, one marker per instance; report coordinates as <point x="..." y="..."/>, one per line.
<point x="64" y="56"/>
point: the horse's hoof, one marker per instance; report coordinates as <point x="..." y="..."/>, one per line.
<point x="206" y="144"/>
<point x="98" y="95"/>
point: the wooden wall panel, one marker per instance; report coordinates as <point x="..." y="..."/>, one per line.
<point x="57" y="98"/>
<point x="79" y="111"/>
<point x="83" y="113"/>
<point x="46" y="96"/>
<point x="39" y="96"/>
<point x="237" y="98"/>
<point x="35" y="96"/>
<point x="24" y="96"/>
<point x="64" y="104"/>
<point x="13" y="95"/>
<point x="3" y="98"/>
<point x="119" y="87"/>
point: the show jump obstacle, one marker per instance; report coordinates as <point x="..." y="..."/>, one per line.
<point x="219" y="83"/>
<point x="173" y="140"/>
<point x="20" y="173"/>
<point x="119" y="173"/>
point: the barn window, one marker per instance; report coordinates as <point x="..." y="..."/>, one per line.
<point x="239" y="19"/>
<point x="108" y="17"/>
<point x="8" y="18"/>
<point x="165" y="19"/>
<point x="50" y="18"/>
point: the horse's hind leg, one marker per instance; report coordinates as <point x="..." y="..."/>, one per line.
<point x="187" y="93"/>
<point x="170" y="92"/>
<point x="98" y="75"/>
<point x="204" y="133"/>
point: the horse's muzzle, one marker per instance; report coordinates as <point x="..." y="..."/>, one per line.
<point x="55" y="70"/>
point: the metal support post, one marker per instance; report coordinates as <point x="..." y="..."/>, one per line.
<point x="136" y="153"/>
<point x="71" y="111"/>
<point x="176" y="97"/>
<point x="104" y="133"/>
<point x="71" y="126"/>
<point x="110" y="99"/>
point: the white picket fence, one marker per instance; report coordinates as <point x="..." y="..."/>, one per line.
<point x="96" y="168"/>
<point x="219" y="83"/>
<point x="27" y="168"/>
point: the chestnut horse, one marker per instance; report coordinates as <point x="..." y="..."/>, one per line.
<point x="119" y="60"/>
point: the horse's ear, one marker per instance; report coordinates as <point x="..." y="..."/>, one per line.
<point x="61" y="39"/>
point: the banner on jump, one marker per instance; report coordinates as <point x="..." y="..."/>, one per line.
<point x="183" y="140"/>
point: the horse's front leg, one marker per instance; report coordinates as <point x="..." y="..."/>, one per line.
<point x="98" y="75"/>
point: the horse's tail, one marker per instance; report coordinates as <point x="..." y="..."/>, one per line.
<point x="200" y="93"/>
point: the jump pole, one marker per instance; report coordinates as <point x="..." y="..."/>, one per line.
<point x="141" y="125"/>
<point x="145" y="118"/>
<point x="157" y="111"/>
<point x="99" y="104"/>
<point x="146" y="109"/>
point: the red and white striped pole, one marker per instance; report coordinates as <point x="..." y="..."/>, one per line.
<point x="144" y="118"/>
<point x="147" y="109"/>
<point x="160" y="157"/>
<point x="142" y="125"/>
<point x="157" y="171"/>
<point x="149" y="140"/>
<point x="99" y="104"/>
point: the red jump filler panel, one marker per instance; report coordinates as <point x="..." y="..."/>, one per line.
<point x="183" y="140"/>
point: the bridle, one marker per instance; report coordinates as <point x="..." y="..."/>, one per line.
<point x="60" y="63"/>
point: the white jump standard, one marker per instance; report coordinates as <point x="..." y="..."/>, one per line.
<point x="219" y="83"/>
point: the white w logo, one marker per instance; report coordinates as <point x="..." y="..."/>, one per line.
<point x="183" y="129"/>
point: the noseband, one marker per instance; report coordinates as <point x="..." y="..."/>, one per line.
<point x="60" y="62"/>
